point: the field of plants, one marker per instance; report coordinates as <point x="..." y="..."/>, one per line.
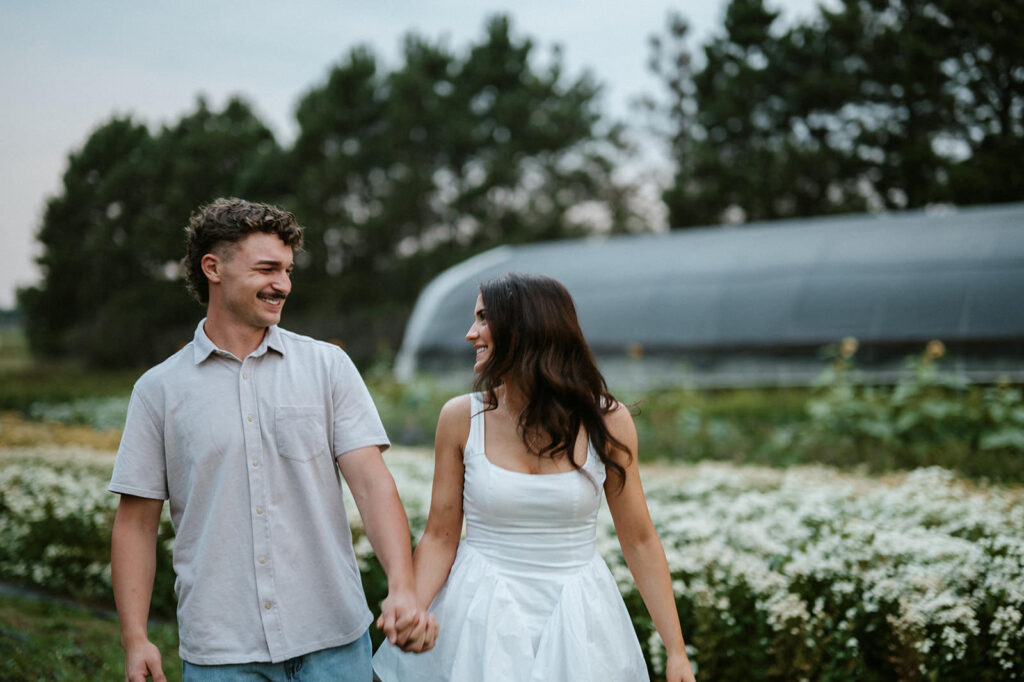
<point x="843" y="533"/>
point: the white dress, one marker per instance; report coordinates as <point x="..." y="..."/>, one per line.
<point x="528" y="598"/>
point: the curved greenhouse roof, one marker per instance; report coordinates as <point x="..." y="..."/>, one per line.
<point x="730" y="302"/>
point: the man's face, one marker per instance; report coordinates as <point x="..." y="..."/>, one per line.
<point x="255" y="278"/>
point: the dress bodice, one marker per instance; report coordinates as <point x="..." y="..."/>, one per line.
<point x="529" y="521"/>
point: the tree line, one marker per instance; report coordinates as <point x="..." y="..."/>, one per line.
<point x="399" y="173"/>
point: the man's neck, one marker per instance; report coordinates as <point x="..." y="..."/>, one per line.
<point x="239" y="340"/>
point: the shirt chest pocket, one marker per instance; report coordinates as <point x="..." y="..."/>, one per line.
<point x="300" y="432"/>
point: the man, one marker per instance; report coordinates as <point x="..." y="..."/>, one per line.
<point x="245" y="431"/>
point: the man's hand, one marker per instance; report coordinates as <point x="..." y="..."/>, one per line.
<point x="406" y="625"/>
<point x="678" y="669"/>
<point x="142" y="661"/>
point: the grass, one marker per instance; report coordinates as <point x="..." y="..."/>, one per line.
<point x="14" y="353"/>
<point x="25" y="379"/>
<point x="59" y="382"/>
<point x="63" y="642"/>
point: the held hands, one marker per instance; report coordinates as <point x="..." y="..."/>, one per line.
<point x="141" y="662"/>
<point x="406" y="625"/>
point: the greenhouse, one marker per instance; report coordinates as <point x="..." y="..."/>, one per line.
<point x="760" y="304"/>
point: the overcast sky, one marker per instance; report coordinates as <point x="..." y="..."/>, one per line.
<point x="67" y="66"/>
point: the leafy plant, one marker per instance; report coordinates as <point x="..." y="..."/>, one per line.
<point x="929" y="417"/>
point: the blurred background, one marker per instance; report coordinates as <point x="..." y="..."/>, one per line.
<point x="407" y="140"/>
<point x="794" y="229"/>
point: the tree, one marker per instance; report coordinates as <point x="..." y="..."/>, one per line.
<point x="875" y="104"/>
<point x="87" y="218"/>
<point x="985" y="76"/>
<point x="404" y="173"/>
<point x="113" y="238"/>
<point x="396" y="174"/>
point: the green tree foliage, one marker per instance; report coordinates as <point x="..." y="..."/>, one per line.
<point x="113" y="238"/>
<point x="873" y="104"/>
<point x="986" y="71"/>
<point x="77" y="222"/>
<point x="402" y="173"/>
<point x="396" y="174"/>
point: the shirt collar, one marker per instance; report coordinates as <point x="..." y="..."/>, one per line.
<point x="273" y="340"/>
<point x="203" y="347"/>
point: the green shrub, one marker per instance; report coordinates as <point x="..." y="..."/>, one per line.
<point x="930" y="417"/>
<point x="409" y="411"/>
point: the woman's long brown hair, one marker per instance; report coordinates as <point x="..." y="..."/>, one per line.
<point x="537" y="345"/>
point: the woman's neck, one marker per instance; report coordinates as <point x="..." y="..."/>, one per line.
<point x="511" y="399"/>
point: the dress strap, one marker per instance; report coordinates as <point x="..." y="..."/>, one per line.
<point x="593" y="463"/>
<point x="475" y="442"/>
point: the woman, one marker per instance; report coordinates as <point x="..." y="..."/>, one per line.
<point x="526" y="596"/>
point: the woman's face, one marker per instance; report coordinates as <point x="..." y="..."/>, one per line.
<point x="479" y="335"/>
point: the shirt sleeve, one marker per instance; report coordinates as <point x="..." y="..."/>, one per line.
<point x="140" y="468"/>
<point x="356" y="421"/>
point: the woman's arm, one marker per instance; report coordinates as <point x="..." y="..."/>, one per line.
<point x="641" y="548"/>
<point x="435" y="552"/>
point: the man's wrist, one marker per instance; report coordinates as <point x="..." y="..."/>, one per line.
<point x="132" y="637"/>
<point x="402" y="585"/>
<point x="676" y="650"/>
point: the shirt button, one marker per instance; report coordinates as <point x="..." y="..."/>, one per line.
<point x="244" y="375"/>
<point x="263" y="559"/>
<point x="250" y="417"/>
<point x="255" y="462"/>
<point x="266" y="605"/>
<point x="259" y="511"/>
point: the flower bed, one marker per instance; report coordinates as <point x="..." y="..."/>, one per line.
<point x="809" y="574"/>
<point x="799" y="574"/>
<point x="55" y="521"/>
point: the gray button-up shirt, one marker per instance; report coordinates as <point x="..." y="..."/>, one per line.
<point x="245" y="452"/>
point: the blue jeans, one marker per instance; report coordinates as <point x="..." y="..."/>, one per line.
<point x="348" y="663"/>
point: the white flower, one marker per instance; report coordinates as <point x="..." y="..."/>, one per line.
<point x="814" y="549"/>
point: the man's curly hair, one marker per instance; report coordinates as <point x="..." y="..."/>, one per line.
<point x="226" y="222"/>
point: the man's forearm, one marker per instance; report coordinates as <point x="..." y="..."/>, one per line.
<point x="388" y="531"/>
<point x="380" y="507"/>
<point x="133" y="564"/>
<point x="387" y="527"/>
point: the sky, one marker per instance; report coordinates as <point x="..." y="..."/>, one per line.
<point x="67" y="66"/>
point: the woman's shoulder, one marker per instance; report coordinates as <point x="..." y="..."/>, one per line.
<point x="459" y="404"/>
<point x="456" y="411"/>
<point x="453" y="425"/>
<point x="617" y="413"/>
<point x="619" y="422"/>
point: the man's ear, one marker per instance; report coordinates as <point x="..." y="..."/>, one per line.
<point x="211" y="266"/>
